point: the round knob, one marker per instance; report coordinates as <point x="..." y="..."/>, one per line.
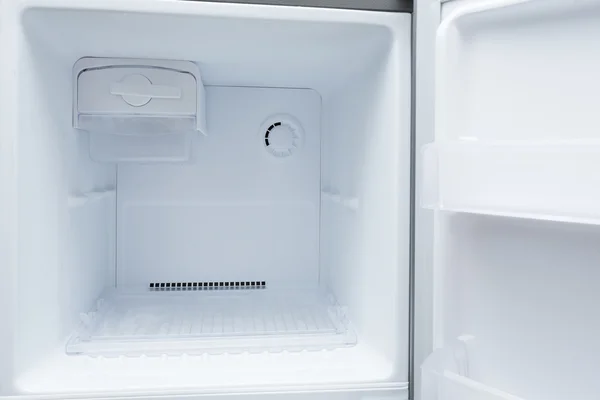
<point x="136" y="81"/>
<point x="281" y="138"/>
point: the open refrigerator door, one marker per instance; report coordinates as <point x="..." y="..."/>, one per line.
<point x="511" y="177"/>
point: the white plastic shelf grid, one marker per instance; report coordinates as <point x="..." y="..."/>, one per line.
<point x="155" y="323"/>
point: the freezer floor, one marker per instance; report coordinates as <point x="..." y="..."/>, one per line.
<point x="155" y="323"/>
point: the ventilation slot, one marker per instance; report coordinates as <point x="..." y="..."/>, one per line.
<point x="221" y="285"/>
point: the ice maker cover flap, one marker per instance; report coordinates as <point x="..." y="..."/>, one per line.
<point x="137" y="96"/>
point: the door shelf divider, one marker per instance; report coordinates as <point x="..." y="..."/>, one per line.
<point x="558" y="181"/>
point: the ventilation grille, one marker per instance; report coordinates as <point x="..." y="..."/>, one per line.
<point x="220" y="285"/>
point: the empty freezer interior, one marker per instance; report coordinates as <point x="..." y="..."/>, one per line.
<point x="516" y="135"/>
<point x="271" y="250"/>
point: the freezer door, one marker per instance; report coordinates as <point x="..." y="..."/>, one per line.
<point x="512" y="177"/>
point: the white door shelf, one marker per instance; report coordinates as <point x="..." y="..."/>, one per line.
<point x="446" y="377"/>
<point x="451" y="386"/>
<point x="557" y="181"/>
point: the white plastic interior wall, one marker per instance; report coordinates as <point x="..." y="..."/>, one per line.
<point x="322" y="231"/>
<point x="516" y="135"/>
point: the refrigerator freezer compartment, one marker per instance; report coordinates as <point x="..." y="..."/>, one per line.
<point x="538" y="180"/>
<point x="215" y="321"/>
<point x="330" y="91"/>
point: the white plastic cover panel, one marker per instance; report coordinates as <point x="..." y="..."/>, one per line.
<point x="151" y="90"/>
<point x="140" y="87"/>
<point x="234" y="211"/>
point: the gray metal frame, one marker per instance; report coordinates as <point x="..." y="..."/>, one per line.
<point x="412" y="220"/>
<point x="370" y="5"/>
